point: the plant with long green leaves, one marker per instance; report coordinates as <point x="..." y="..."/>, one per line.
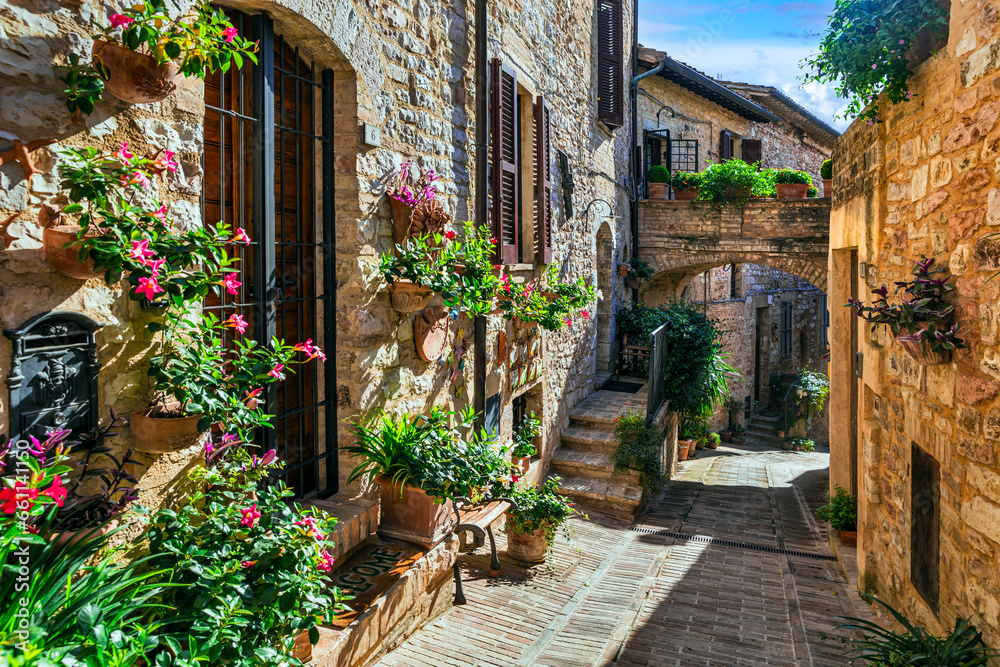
<point x="864" y="50"/>
<point x="915" y="646"/>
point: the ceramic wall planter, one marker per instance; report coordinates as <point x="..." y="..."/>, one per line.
<point x="635" y="283"/>
<point x="791" y="190"/>
<point x="413" y="516"/>
<point x="65" y="260"/>
<point x="303" y="647"/>
<point x="402" y="213"/>
<point x="157" y="434"/>
<point x="928" y="357"/>
<point x="527" y="547"/>
<point x="685" y="194"/>
<point x="827" y="188"/>
<point x="430" y="332"/>
<point x="848" y="537"/>
<point x="135" y="77"/>
<point x="524" y="463"/>
<point x="408" y="297"/>
<point x="657" y="190"/>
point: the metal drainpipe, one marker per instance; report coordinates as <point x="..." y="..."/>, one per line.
<point x="482" y="138"/>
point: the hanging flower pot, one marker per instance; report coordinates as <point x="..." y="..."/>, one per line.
<point x="623" y="270"/>
<point x="408" y="297"/>
<point x="685" y="194"/>
<point x="527" y="547"/>
<point x="791" y="190"/>
<point x="402" y="213"/>
<point x="635" y="283"/>
<point x="157" y="431"/>
<point x="66" y="260"/>
<point x="135" y="77"/>
<point x="926" y="357"/>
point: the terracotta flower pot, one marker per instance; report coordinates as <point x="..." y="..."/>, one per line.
<point x="65" y="260"/>
<point x="527" y="547"/>
<point x="727" y="436"/>
<point x="691" y="447"/>
<point x="412" y="516"/>
<point x="787" y="446"/>
<point x="524" y="463"/>
<point x="738" y="439"/>
<point x="657" y="190"/>
<point x="64" y="537"/>
<point x="402" y="213"/>
<point x="409" y="297"/>
<point x="712" y="444"/>
<point x="916" y="350"/>
<point x="699" y="444"/>
<point x="303" y="647"/>
<point x="682" y="449"/>
<point x="848" y="537"/>
<point x="791" y="190"/>
<point x="827" y="188"/>
<point x="156" y="433"/>
<point x="685" y="194"/>
<point x="135" y="77"/>
<point x="623" y="270"/>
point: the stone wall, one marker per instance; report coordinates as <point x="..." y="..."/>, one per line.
<point x="924" y="183"/>
<point x="406" y="68"/>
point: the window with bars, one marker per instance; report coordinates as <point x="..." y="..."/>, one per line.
<point x="509" y="197"/>
<point x="786" y="329"/>
<point x="268" y="168"/>
<point x="610" y="63"/>
<point x="734" y="281"/>
<point x="676" y="155"/>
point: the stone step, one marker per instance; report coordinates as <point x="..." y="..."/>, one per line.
<point x="581" y="438"/>
<point x="763" y="431"/>
<point x="598" y="465"/>
<point x="604" y="494"/>
<point x="584" y="420"/>
<point x="765" y="418"/>
<point x="357" y="519"/>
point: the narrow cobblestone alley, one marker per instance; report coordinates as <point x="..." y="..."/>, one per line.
<point x="752" y="583"/>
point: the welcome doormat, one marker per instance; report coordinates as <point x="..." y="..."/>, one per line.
<point x="368" y="573"/>
<point x="623" y="387"/>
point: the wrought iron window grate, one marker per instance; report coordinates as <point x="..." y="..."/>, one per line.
<point x="676" y="155"/>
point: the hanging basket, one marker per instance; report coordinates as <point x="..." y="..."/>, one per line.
<point x="156" y="432"/>
<point x="66" y="260"/>
<point x="409" y="297"/>
<point x="135" y="77"/>
<point x="928" y="357"/>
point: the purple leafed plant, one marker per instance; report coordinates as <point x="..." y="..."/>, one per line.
<point x="922" y="301"/>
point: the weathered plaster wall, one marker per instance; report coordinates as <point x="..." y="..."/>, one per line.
<point x="925" y="183"/>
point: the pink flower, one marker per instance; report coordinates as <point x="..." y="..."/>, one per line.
<point x="312" y="530"/>
<point x="148" y="287"/>
<point x="875" y="66"/>
<point x="123" y="153"/>
<point x="325" y="562"/>
<point x="247" y="564"/>
<point x="230" y="34"/>
<point x="168" y="160"/>
<point x="241" y="236"/>
<point x="118" y="20"/>
<point x="138" y="178"/>
<point x="229" y="439"/>
<point x="237" y="322"/>
<point x="250" y="516"/>
<point x="276" y="371"/>
<point x="154" y="266"/>
<point x="140" y="250"/>
<point x="312" y="350"/>
<point x="585" y="314"/>
<point x="252" y="394"/>
<point x="449" y="235"/>
<point x="232" y="284"/>
<point x="567" y="321"/>
<point x="160" y="213"/>
<point x="57" y="491"/>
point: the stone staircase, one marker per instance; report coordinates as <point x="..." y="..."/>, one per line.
<point x="763" y="428"/>
<point x="583" y="461"/>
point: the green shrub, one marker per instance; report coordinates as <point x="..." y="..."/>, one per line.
<point x="789" y="176"/>
<point x="815" y="386"/>
<point x="812" y="191"/>
<point x="841" y="512"/>
<point x="763" y="184"/>
<point x="714" y="438"/>
<point x="806" y="444"/>
<point x="826" y="169"/>
<point x="684" y="180"/>
<point x="524" y="437"/>
<point x="540" y="507"/>
<point x="639" y="448"/>
<point x="727" y="184"/>
<point x="658" y="174"/>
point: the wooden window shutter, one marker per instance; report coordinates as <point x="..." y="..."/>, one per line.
<point x="725" y="146"/>
<point x="503" y="127"/>
<point x="543" y="181"/>
<point x="751" y="151"/>
<point x="610" y="63"/>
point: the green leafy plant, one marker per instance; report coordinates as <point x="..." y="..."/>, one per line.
<point x="826" y="169"/>
<point x="638" y="270"/>
<point x="248" y="568"/>
<point x="201" y="40"/>
<point x="788" y="176"/>
<point x="430" y="453"/>
<point x="924" y="303"/>
<point x="658" y="174"/>
<point x="639" y="448"/>
<point x="727" y="184"/>
<point x="841" y="510"/>
<point x="541" y="508"/>
<point x="815" y="387"/>
<point x="524" y="437"/>
<point x="865" y="46"/>
<point x="812" y="191"/>
<point x="803" y="444"/>
<point x="763" y="184"/>
<point x="550" y="302"/>
<point x="714" y="438"/>
<point x="684" y="180"/>
<point x="915" y="646"/>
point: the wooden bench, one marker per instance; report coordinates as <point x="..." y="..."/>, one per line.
<point x="478" y="519"/>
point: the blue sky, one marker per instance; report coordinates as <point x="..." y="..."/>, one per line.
<point x="754" y="41"/>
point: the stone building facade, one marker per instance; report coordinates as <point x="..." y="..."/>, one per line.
<point x="918" y="443"/>
<point x="400" y="70"/>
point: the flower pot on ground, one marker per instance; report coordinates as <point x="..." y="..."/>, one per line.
<point x="133" y="77"/>
<point x="683" y="447"/>
<point x="411" y="514"/>
<point x="408" y="297"/>
<point x="691" y="447"/>
<point x="712" y="442"/>
<point x="162" y="429"/>
<point x="727" y="435"/>
<point x="532" y="524"/>
<point x="738" y="439"/>
<point x="527" y="547"/>
<point x="66" y="260"/>
<point x="841" y="510"/>
<point x="848" y="537"/>
<point x="787" y="445"/>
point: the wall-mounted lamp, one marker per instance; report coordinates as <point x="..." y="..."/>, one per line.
<point x="672" y="113"/>
<point x="605" y="202"/>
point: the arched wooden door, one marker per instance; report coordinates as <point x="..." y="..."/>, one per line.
<point x="268" y="168"/>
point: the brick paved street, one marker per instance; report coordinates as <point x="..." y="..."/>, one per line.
<point x="643" y="597"/>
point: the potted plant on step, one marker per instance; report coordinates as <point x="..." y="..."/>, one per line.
<point x="791" y="184"/>
<point x="685" y="185"/>
<point x="738" y="435"/>
<point x="841" y="512"/>
<point x="423" y="463"/>
<point x="657" y="178"/>
<point x="531" y="528"/>
<point x="523" y="444"/>
<point x="712" y="440"/>
<point x="826" y="173"/>
<point x="923" y="314"/>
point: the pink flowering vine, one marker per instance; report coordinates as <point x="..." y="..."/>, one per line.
<point x="123" y="153"/>
<point x="237" y="322"/>
<point x="241" y="236"/>
<point x="119" y="20"/>
<point x="231" y="284"/>
<point x="149" y="288"/>
<point x="312" y="350"/>
<point x="325" y="562"/>
<point x="250" y="516"/>
<point x="276" y="371"/>
<point x="230" y="34"/>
